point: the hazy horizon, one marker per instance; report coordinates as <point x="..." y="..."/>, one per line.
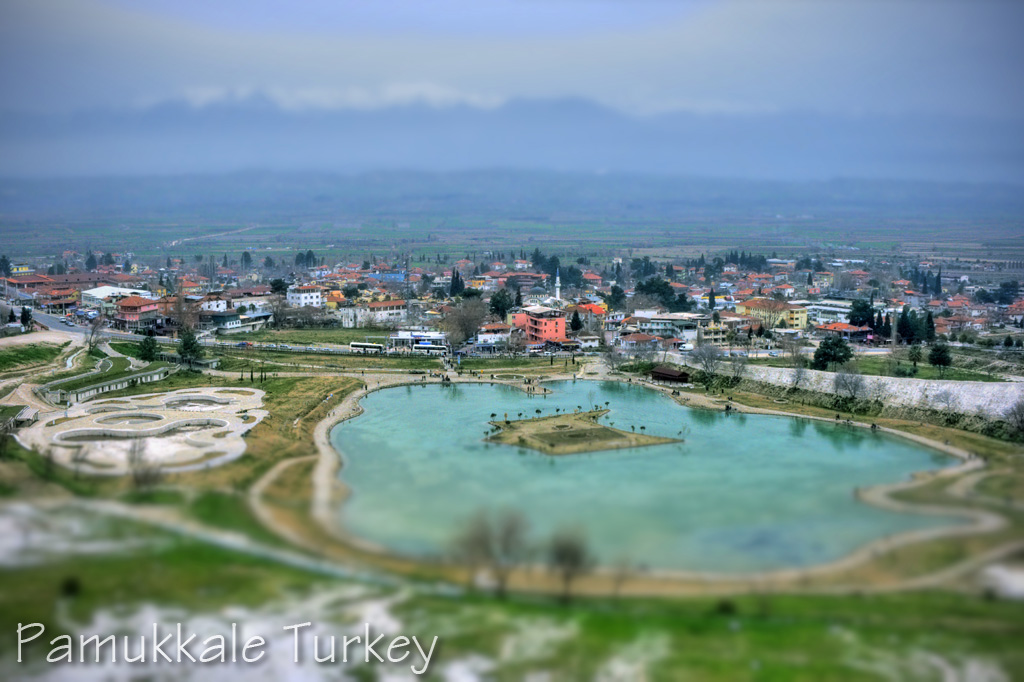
<point x="779" y="90"/>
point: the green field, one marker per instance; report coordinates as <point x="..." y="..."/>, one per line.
<point x="748" y="637"/>
<point x="119" y="370"/>
<point x="312" y="337"/>
<point x="876" y="365"/>
<point x="29" y="355"/>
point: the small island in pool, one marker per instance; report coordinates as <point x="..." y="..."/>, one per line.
<point x="570" y="434"/>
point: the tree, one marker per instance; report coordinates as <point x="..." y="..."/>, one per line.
<point x="576" y="324"/>
<point x="709" y="359"/>
<point x="144" y="474"/>
<point x="268" y="262"/>
<point x="832" y="351"/>
<point x="90" y="262"/>
<point x="940" y="358"/>
<point x="914" y="354"/>
<point x="499" y="543"/>
<point x="711" y="299"/>
<point x="1008" y="341"/>
<point x="11" y="317"/>
<point x="457" y="285"/>
<point x="246" y="260"/>
<point x="189" y="348"/>
<point x="148" y="349"/>
<point x="519" y="297"/>
<point x="463" y="321"/>
<point x="501" y="302"/>
<point x="616" y="298"/>
<point x="5" y="265"/>
<point x="569" y="558"/>
<point x="26" y="316"/>
<point x="848" y="381"/>
<point x="861" y="313"/>
<point x="278" y="286"/>
<point x="929" y="328"/>
<point x="278" y="305"/>
<point x="1015" y="416"/>
<point x="94" y="334"/>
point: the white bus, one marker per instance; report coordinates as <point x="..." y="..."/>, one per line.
<point x="429" y="349"/>
<point x="363" y="347"/>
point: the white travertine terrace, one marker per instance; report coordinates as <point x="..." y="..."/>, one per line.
<point x="183" y="430"/>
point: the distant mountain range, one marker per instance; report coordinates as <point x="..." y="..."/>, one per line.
<point x="553" y="135"/>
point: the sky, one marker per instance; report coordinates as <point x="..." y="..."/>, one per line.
<point x="942" y="59"/>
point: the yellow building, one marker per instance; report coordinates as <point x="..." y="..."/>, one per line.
<point x="772" y="313"/>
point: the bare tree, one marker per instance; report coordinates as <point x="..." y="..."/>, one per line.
<point x="510" y="547"/>
<point x="145" y="474"/>
<point x="472" y="545"/>
<point x="94" y="334"/>
<point x="1015" y="416"/>
<point x="500" y="544"/>
<point x="709" y="359"/>
<point x="184" y="313"/>
<point x="613" y="358"/>
<point x="464" y="320"/>
<point x="947" y="402"/>
<point x="793" y="350"/>
<point x="78" y="458"/>
<point x="799" y="374"/>
<point x="569" y="557"/>
<point x="278" y="306"/>
<point x="848" y="381"/>
<point x="738" y="367"/>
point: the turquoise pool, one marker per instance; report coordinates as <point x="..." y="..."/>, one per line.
<point x="742" y="493"/>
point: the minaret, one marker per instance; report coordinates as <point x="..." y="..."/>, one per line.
<point x="558" y="285"/>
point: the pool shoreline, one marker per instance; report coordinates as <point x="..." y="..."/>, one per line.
<point x="330" y="491"/>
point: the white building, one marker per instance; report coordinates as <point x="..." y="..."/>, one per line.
<point x="94" y="297"/>
<point x="305" y="296"/>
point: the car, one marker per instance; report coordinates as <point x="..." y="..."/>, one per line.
<point x="284" y="346"/>
<point x="773" y="353"/>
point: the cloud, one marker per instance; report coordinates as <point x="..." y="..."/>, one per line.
<point x="947" y="57"/>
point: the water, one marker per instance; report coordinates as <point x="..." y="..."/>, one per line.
<point x="742" y="493"/>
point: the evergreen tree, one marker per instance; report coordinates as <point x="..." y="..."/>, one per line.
<point x="711" y="299"/>
<point x="5" y="266"/>
<point x="457" y="285"/>
<point x="938" y="284"/>
<point x="501" y="303"/>
<point x="26" y="316"/>
<point x="310" y="259"/>
<point x="887" y="327"/>
<point x="879" y="324"/>
<point x="940" y="358"/>
<point x="90" y="262"/>
<point x="903" y="328"/>
<point x="189" y="348"/>
<point x="148" y="349"/>
<point x="576" y="324"/>
<point x="914" y="354"/>
<point x="810" y="279"/>
<point x="832" y="351"/>
<point x="519" y="297"/>
<point x="11" y="317"/>
<point x="929" y="328"/>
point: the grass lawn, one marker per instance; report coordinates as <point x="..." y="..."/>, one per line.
<point x="516" y="363"/>
<point x="112" y="365"/>
<point x="312" y="337"/>
<point x="30" y="355"/>
<point x="747" y="637"/>
<point x="233" y="360"/>
<point x="119" y="370"/>
<point x="230" y="511"/>
<point x="876" y="365"/>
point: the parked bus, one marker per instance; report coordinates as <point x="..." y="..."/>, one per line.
<point x="364" y="347"/>
<point x="429" y="349"/>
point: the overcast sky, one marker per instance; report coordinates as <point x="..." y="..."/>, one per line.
<point x="935" y="57"/>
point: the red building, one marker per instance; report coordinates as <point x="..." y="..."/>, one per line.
<point x="540" y="324"/>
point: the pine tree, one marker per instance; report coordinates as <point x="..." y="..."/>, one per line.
<point x="148" y="349"/>
<point x="887" y="327"/>
<point x="711" y="300"/>
<point x="929" y="328"/>
<point x="576" y="324"/>
<point x="90" y="262"/>
<point x="519" y="297"/>
<point x="938" y="284"/>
